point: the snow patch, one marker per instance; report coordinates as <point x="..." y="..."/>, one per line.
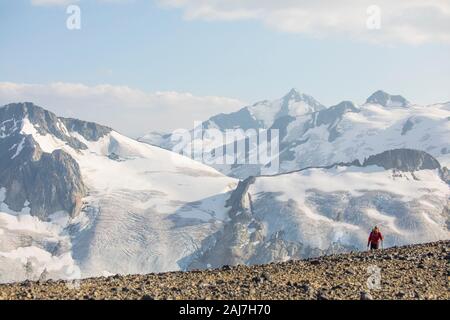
<point x="19" y="148"/>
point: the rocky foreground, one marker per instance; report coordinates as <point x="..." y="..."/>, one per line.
<point x="410" y="272"/>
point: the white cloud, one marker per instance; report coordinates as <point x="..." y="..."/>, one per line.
<point x="130" y="111"/>
<point x="402" y="21"/>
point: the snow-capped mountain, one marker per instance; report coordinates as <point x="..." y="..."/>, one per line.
<point x="260" y="115"/>
<point x="312" y="135"/>
<point x="77" y="194"/>
<point x="293" y="104"/>
<point x="78" y="199"/>
<point x="384" y="99"/>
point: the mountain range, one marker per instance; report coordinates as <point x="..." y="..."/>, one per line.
<point x="78" y="199"/>
<point x="311" y="134"/>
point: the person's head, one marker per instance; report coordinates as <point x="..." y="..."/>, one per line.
<point x="376" y="229"/>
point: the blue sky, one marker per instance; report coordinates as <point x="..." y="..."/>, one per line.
<point x="149" y="47"/>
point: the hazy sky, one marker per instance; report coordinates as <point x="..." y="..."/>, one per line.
<point x="173" y="61"/>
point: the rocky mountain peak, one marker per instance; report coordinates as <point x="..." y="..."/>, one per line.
<point x="295" y="95"/>
<point x="46" y="122"/>
<point x="387" y="100"/>
<point x="25" y="167"/>
<point x="292" y="94"/>
<point x="403" y="160"/>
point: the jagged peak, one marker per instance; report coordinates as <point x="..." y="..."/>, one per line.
<point x="346" y="104"/>
<point x="332" y="114"/>
<point x="404" y="160"/>
<point x="293" y="93"/>
<point x="387" y="100"/>
<point x="22" y="105"/>
<point x="46" y="121"/>
<point x="23" y="109"/>
<point x="297" y="95"/>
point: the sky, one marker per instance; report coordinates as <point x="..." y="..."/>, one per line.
<point x="157" y="65"/>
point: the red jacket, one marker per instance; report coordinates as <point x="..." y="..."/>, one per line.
<point x="375" y="237"/>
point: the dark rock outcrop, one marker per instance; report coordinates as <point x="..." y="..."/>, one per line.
<point x="293" y="96"/>
<point x="89" y="130"/>
<point x="403" y="160"/>
<point x="331" y="117"/>
<point x="50" y="184"/>
<point x="30" y="177"/>
<point x="239" y="119"/>
<point x="236" y="200"/>
<point x="386" y="100"/>
<point x="45" y="122"/>
<point x="445" y="174"/>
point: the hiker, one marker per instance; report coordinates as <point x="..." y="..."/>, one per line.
<point x="375" y="238"/>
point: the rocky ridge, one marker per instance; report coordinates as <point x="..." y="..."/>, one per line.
<point x="25" y="167"/>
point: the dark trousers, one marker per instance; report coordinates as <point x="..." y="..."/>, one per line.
<point x="374" y="245"/>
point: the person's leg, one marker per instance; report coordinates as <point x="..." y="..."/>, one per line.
<point x="373" y="246"/>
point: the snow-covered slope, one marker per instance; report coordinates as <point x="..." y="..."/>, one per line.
<point x="143" y="209"/>
<point x="328" y="210"/>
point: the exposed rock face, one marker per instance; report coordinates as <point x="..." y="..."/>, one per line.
<point x="294" y="96"/>
<point x="49" y="183"/>
<point x="409" y="124"/>
<point x="241" y="119"/>
<point x="385" y="99"/>
<point x="44" y="121"/>
<point x="223" y="248"/>
<point x="89" y="130"/>
<point x="445" y="174"/>
<point x="237" y="200"/>
<point x="403" y="160"/>
<point x="416" y="272"/>
<point x="331" y="117"/>
<point x="30" y="177"/>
